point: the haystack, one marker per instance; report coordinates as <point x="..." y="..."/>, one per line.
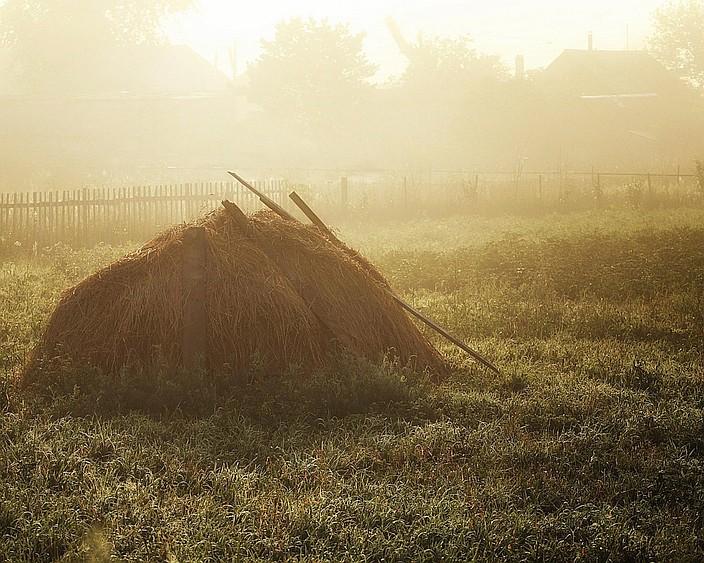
<point x="275" y="292"/>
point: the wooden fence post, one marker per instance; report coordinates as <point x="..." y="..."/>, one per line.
<point x="343" y="192"/>
<point x="599" y="191"/>
<point x="4" y="213"/>
<point x="650" y="187"/>
<point x="194" y="344"/>
<point x="15" y="216"/>
<point x="33" y="216"/>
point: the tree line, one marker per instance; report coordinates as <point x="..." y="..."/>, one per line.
<point x="314" y="86"/>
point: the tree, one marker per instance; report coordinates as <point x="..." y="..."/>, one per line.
<point x="447" y="100"/>
<point x="55" y="43"/>
<point x="678" y="39"/>
<point x="311" y="75"/>
<point x="447" y="62"/>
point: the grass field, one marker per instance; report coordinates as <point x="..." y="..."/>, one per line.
<point x="589" y="447"/>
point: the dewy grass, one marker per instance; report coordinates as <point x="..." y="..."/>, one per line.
<point x="590" y="447"/>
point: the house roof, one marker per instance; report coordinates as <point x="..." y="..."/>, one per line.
<point x="603" y="73"/>
<point x="163" y="69"/>
<point x="126" y="71"/>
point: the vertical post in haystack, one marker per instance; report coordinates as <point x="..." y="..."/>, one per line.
<point x="195" y="311"/>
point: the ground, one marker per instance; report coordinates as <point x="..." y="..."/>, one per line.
<point x="590" y="446"/>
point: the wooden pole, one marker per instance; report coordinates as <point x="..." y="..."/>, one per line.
<point x="194" y="294"/>
<point x="270" y="203"/>
<point x="317" y="221"/>
<point x="308" y="212"/>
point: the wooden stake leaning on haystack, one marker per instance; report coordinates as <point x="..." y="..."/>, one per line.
<point x="305" y="208"/>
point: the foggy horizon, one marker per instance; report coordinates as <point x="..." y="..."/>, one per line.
<point x="127" y="91"/>
<point x="539" y="31"/>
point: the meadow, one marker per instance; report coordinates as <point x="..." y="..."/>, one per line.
<point x="589" y="447"/>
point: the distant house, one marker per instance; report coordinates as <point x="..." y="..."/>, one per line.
<point x="611" y="73"/>
<point x="128" y="114"/>
<point x="619" y="108"/>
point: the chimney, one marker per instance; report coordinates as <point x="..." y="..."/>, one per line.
<point x="520" y="67"/>
<point x="591" y="41"/>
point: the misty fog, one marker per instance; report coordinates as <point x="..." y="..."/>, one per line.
<point x="96" y="93"/>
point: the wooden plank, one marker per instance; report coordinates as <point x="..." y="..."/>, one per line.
<point x="8" y="214"/>
<point x="158" y="208"/>
<point x="111" y="211"/>
<point x="140" y="212"/>
<point x="94" y="217"/>
<point x="146" y="223"/>
<point x="49" y="218"/>
<point x="163" y="218"/>
<point x="66" y="215"/>
<point x="40" y="215"/>
<point x="172" y="191"/>
<point x="117" y="212"/>
<point x="15" y="216"/>
<point x="124" y="213"/>
<point x="33" y="217"/>
<point x="61" y="216"/>
<point x="163" y="205"/>
<point x="85" y="212"/>
<point x="134" y="212"/>
<point x="130" y="212"/>
<point x="26" y="224"/>
<point x="101" y="213"/>
<point x="3" y="214"/>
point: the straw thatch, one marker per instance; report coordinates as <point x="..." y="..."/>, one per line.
<point x="277" y="293"/>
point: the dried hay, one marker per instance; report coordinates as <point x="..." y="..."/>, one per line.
<point x="278" y="293"/>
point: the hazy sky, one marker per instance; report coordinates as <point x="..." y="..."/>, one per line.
<point x="539" y="29"/>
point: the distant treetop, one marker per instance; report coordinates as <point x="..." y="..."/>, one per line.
<point x="678" y="39"/>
